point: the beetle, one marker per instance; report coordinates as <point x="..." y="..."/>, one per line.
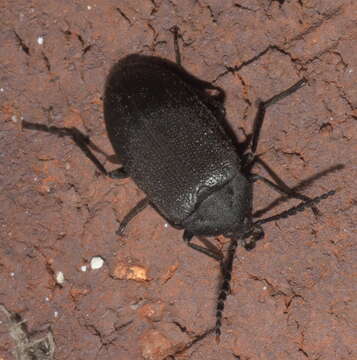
<point x="171" y="138"/>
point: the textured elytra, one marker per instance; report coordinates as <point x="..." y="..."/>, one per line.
<point x="166" y="136"/>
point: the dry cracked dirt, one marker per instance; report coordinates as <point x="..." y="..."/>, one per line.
<point x="70" y="288"/>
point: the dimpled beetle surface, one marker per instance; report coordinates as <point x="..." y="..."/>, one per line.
<point x="170" y="138"/>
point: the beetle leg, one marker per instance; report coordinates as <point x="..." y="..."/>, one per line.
<point x="140" y="206"/>
<point x="175" y="31"/>
<point x="282" y="187"/>
<point x="81" y="140"/>
<point x="209" y="245"/>
<point x="118" y="174"/>
<point x="263" y="105"/>
<point x="187" y="237"/>
<point x="284" y="190"/>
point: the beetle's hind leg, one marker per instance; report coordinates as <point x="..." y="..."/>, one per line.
<point x="81" y="140"/>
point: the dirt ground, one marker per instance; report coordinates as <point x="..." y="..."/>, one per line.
<point x="293" y="297"/>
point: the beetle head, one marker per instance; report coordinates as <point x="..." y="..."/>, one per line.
<point x="226" y="211"/>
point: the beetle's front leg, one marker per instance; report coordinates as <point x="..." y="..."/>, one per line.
<point x="263" y="105"/>
<point x="139" y="207"/>
<point x="279" y="185"/>
<point x="187" y="237"/>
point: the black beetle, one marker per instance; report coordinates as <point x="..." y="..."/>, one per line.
<point x="168" y="134"/>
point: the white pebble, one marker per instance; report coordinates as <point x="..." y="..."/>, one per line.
<point x="59" y="277"/>
<point x="89" y="7"/>
<point x="40" y="40"/>
<point x="84" y="268"/>
<point x="55" y="314"/>
<point x="14" y="118"/>
<point x="96" y="262"/>
<point x="12" y="274"/>
<point x="166" y="225"/>
<point x="2" y="90"/>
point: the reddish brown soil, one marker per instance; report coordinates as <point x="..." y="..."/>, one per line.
<point x="293" y="297"/>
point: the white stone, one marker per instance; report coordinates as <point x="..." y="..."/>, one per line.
<point x="96" y="262"/>
<point x="59" y="277"/>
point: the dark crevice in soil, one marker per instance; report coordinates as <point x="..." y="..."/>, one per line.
<point x="181" y="327"/>
<point x="281" y="2"/>
<point x="47" y="62"/>
<point x="123" y="15"/>
<point x="304" y="353"/>
<point x="239" y="6"/>
<point x="325" y="17"/>
<point x="22" y="44"/>
<point x="155" y="8"/>
<point x="196" y="339"/>
<point x="86" y="49"/>
<point x="237" y="68"/>
<point x="212" y="14"/>
<point x="123" y="326"/>
<point x="79" y="37"/>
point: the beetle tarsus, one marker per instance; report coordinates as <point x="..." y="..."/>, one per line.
<point x="176" y="31"/>
<point x="139" y="207"/>
<point x="118" y="174"/>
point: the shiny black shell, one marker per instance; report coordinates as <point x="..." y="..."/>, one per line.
<point x="166" y="135"/>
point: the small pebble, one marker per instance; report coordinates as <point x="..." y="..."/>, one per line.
<point x="40" y="40"/>
<point x="59" y="277"/>
<point x="96" y="262"/>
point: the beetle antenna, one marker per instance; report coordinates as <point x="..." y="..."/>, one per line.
<point x="294" y="210"/>
<point x="227" y="266"/>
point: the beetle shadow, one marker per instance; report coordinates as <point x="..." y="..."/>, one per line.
<point x="300" y="186"/>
